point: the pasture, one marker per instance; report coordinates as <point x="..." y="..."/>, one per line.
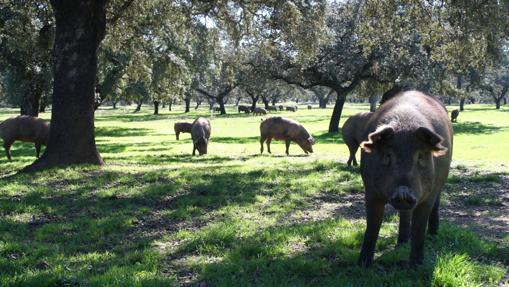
<point x="156" y="216"/>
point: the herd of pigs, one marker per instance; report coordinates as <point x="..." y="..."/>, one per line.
<point x="406" y="154"/>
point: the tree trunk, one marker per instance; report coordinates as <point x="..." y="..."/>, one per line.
<point x="505" y="100"/>
<point x="322" y="103"/>
<point x="254" y="100"/>
<point x="170" y="103"/>
<point x="221" y="107"/>
<point x="30" y="104"/>
<point x="138" y="106"/>
<point x="336" y="112"/>
<point x="497" y="103"/>
<point x="238" y="101"/>
<point x="462" y="104"/>
<point x="198" y="103"/>
<point x="188" y="103"/>
<point x="80" y="27"/>
<point x="266" y="102"/>
<point x="372" y="103"/>
<point x="43" y="103"/>
<point x="114" y="104"/>
<point x="156" y="107"/>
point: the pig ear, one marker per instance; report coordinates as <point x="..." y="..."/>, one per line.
<point x="376" y="137"/>
<point x="311" y="140"/>
<point x="433" y="140"/>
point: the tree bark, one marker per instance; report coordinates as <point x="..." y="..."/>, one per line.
<point x="170" y="103"/>
<point x="114" y="104"/>
<point x="198" y="103"/>
<point x="462" y="104"/>
<point x="497" y="103"/>
<point x="254" y="100"/>
<point x="336" y="112"/>
<point x="372" y="103"/>
<point x="138" y="106"/>
<point x="156" y="107"/>
<point x="266" y="102"/>
<point x="80" y="27"/>
<point x="30" y="104"/>
<point x="221" y="106"/>
<point x="188" y="103"/>
<point x="43" y="103"/>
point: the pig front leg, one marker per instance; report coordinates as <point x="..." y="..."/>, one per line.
<point x="177" y="135"/>
<point x="434" y="218"/>
<point x="7" y="147"/>
<point x="194" y="149"/>
<point x="405" y="220"/>
<point x="419" y="222"/>
<point x="261" y="144"/>
<point x="287" y="143"/>
<point x="374" y="216"/>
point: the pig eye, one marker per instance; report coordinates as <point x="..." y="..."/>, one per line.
<point x="386" y="159"/>
<point x="421" y="160"/>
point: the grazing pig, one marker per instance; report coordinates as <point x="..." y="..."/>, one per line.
<point x="353" y="131"/>
<point x="281" y="108"/>
<point x="259" y="111"/>
<point x="24" y="128"/>
<point x="217" y="109"/>
<point x="272" y="108"/>
<point x="291" y="109"/>
<point x="405" y="161"/>
<point x="182" y="127"/>
<point x="310" y="107"/>
<point x="279" y="128"/>
<point x="244" y="109"/>
<point x="454" y="115"/>
<point x="200" y="133"/>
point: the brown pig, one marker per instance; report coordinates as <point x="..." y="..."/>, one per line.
<point x="182" y="127"/>
<point x="454" y="115"/>
<point x="353" y="131"/>
<point x="24" y="128"/>
<point x="405" y="161"/>
<point x="280" y="128"/>
<point x="200" y="133"/>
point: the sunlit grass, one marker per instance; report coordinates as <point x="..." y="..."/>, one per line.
<point x="156" y="216"/>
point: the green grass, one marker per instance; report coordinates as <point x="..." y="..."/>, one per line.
<point x="155" y="216"/>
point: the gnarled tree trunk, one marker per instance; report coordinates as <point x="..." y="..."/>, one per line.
<point x="80" y="27"/>
<point x="336" y="112"/>
<point x="156" y="107"/>
<point x="188" y="103"/>
<point x="30" y="104"/>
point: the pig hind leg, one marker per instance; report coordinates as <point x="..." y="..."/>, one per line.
<point x="269" y="140"/>
<point x="352" y="147"/>
<point x="37" y="149"/>
<point x="262" y="140"/>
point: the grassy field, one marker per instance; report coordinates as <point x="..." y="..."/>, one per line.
<point x="156" y="216"/>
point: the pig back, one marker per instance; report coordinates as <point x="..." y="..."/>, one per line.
<point x="283" y="129"/>
<point x="200" y="128"/>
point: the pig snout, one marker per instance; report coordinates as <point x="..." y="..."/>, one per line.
<point x="403" y="199"/>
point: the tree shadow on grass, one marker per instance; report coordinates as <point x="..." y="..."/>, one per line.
<point x="329" y="138"/>
<point x="120" y="132"/>
<point x="474" y="128"/>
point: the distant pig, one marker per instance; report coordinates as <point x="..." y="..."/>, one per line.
<point x="310" y="107"/>
<point x="244" y="109"/>
<point x="454" y="115"/>
<point x="24" y="128"/>
<point x="272" y="108"/>
<point x="182" y="127"/>
<point x="259" y="111"/>
<point x="353" y="131"/>
<point x="405" y="161"/>
<point x="200" y="133"/>
<point x="279" y="128"/>
<point x="281" y="108"/>
<point x="291" y="109"/>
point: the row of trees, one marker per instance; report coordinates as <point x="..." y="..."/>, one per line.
<point x="79" y="55"/>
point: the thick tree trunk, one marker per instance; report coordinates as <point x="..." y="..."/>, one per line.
<point x="30" y="104"/>
<point x="156" y="107"/>
<point x="336" y="112"/>
<point x="80" y="27"/>
<point x="221" y="106"/>
<point x="497" y="103"/>
<point x="188" y="103"/>
<point x="198" y="103"/>
<point x="43" y="103"/>
<point x="114" y="104"/>
<point x="462" y="104"/>
<point x="170" y="103"/>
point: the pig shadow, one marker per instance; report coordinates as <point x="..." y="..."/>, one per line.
<point x="474" y="128"/>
